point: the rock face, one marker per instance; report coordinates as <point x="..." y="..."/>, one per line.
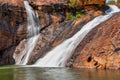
<point x="56" y="3"/>
<point x="12" y="2"/>
<point x="57" y="33"/>
<point x="52" y="25"/>
<point x="101" y="47"/>
<point x="12" y="28"/>
<point x="67" y="2"/>
<point x="50" y="5"/>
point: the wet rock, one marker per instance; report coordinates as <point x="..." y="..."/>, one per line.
<point x="54" y="26"/>
<point x="56" y="33"/>
<point x="18" y="53"/>
<point x="6" y="58"/>
<point x="100" y="48"/>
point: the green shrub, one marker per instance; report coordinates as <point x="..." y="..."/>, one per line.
<point x="79" y="15"/>
<point x="72" y="3"/>
<point x="70" y="16"/>
<point x="113" y="2"/>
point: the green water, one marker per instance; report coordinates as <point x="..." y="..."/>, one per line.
<point x="30" y="73"/>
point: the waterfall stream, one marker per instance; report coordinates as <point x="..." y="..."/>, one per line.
<point x="33" y="35"/>
<point x="60" y="54"/>
<point x="107" y="1"/>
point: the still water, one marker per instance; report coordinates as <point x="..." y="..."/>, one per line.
<point x="35" y="73"/>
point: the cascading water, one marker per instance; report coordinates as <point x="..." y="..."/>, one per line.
<point x="59" y="55"/>
<point x="107" y="1"/>
<point x="33" y="35"/>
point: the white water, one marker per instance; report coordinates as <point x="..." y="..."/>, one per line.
<point x="108" y="1"/>
<point x="33" y="34"/>
<point x="59" y="55"/>
<point x="111" y="0"/>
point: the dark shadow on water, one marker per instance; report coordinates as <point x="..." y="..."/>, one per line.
<point x="35" y="73"/>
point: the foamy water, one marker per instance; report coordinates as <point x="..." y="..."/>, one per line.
<point x="58" y="56"/>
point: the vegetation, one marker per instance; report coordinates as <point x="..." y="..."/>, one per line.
<point x="70" y="16"/>
<point x="79" y="15"/>
<point x="72" y="3"/>
<point x="113" y="2"/>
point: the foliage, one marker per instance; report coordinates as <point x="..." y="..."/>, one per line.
<point x="72" y="3"/>
<point x="70" y="16"/>
<point x="79" y="15"/>
<point x="113" y="2"/>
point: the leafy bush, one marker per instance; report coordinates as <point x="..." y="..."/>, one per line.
<point x="79" y="15"/>
<point x="113" y="2"/>
<point x="72" y="3"/>
<point x="70" y="16"/>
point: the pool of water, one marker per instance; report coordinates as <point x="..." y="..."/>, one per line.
<point x="36" y="73"/>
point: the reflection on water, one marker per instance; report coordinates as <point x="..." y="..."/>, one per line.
<point x="28" y="73"/>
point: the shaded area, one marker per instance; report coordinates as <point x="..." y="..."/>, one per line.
<point x="12" y="30"/>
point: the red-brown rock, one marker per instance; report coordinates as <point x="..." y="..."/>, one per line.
<point x="12" y="2"/>
<point x="101" y="47"/>
<point x="13" y="22"/>
<point x="57" y="32"/>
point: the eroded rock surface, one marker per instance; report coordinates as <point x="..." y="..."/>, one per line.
<point x="13" y="23"/>
<point x="101" y="47"/>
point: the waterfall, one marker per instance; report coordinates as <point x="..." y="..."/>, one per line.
<point x="33" y="35"/>
<point x="107" y="1"/>
<point x="60" y="54"/>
